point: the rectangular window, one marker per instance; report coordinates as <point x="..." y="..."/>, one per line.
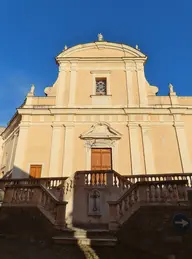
<point x="101" y="86"/>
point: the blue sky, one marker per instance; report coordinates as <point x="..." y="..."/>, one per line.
<point x="33" y="32"/>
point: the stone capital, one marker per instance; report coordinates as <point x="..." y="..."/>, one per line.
<point x="130" y="67"/>
<point x="56" y="125"/>
<point x="69" y="125"/>
<point x="132" y="125"/>
<point x="145" y="127"/>
<point x="140" y="66"/>
<point x="62" y="67"/>
<point x="73" y="67"/>
<point x="178" y="125"/>
<point x="24" y="125"/>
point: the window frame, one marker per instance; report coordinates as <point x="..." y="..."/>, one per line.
<point x="101" y="74"/>
<point x="97" y="79"/>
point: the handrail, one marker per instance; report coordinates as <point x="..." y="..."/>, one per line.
<point x="146" y="193"/>
<point x="104" y="178"/>
<point x="36" y="195"/>
<point x="160" y="177"/>
<point x="33" y="186"/>
<point x="136" y="185"/>
<point x="48" y="182"/>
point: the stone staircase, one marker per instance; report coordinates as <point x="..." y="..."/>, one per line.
<point x="130" y="201"/>
<point x="97" y="237"/>
<point x="12" y="248"/>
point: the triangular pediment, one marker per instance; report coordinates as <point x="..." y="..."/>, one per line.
<point x="101" y="131"/>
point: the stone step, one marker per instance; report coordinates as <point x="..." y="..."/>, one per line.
<point x="83" y="233"/>
<point x="85" y="241"/>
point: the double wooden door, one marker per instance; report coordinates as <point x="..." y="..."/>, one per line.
<point x="101" y="159"/>
<point x="35" y="171"/>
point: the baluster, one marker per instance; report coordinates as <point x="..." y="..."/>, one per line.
<point x="123" y="207"/>
<point x="165" y="192"/>
<point x="136" y="195"/>
<point x="170" y="192"/>
<point x="115" y="180"/>
<point x="190" y="181"/>
<point x="14" y="195"/>
<point x="95" y="179"/>
<point x="130" y="200"/>
<point x="105" y="178"/>
<point x="71" y="184"/>
<point x="98" y="178"/>
<point x="86" y="178"/>
<point x="175" y="193"/>
<point x="126" y="203"/>
<point x="120" y="208"/>
<point x="158" y="193"/>
<point x="90" y="179"/>
<point x="152" y="193"/>
<point x="31" y="193"/>
<point x="102" y="178"/>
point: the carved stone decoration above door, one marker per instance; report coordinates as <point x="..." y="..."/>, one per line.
<point x="101" y="130"/>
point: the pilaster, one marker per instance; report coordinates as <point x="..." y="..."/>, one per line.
<point x="68" y="150"/>
<point x="186" y="162"/>
<point x="19" y="169"/>
<point x="61" y="85"/>
<point x="129" y="69"/>
<point x="143" y="101"/>
<point x="136" y="163"/>
<point x="148" y="150"/>
<point x="15" y="136"/>
<point x="72" y="90"/>
<point x="55" y="158"/>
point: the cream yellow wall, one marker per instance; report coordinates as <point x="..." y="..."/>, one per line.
<point x="38" y="148"/>
<point x="124" y="155"/>
<point x="188" y="131"/>
<point x="118" y="87"/>
<point x="83" y="87"/>
<point x="79" y="148"/>
<point x="165" y="148"/>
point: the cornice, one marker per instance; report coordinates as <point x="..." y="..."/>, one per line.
<point x="126" y="49"/>
<point x="106" y="110"/>
<point x="14" y="132"/>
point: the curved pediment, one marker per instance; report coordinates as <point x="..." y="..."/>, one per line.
<point x="101" y="131"/>
<point x="101" y="49"/>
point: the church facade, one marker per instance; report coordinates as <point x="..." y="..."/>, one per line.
<point x="100" y="114"/>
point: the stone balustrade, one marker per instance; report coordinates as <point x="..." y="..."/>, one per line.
<point x="103" y="178"/>
<point x="160" y="177"/>
<point x="49" y="183"/>
<point x="22" y="195"/>
<point x="146" y="193"/>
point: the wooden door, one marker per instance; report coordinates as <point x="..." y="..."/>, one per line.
<point x="101" y="159"/>
<point x="35" y="171"/>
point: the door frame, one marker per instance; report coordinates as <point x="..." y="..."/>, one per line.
<point x="111" y="151"/>
<point x="108" y="144"/>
